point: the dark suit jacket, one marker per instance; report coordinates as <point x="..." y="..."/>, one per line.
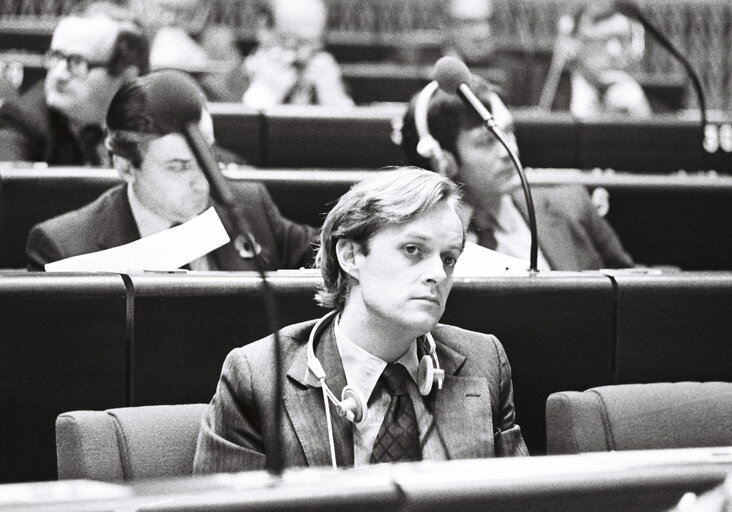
<point x="572" y="235"/>
<point x="108" y="222"/>
<point x="31" y="131"/>
<point x="473" y="412"/>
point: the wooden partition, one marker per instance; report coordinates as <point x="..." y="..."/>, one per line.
<point x="64" y="340"/>
<point x="184" y="325"/>
<point x="679" y="221"/>
<point x="75" y="341"/>
<point x="361" y="137"/>
<point x="674" y="327"/>
<point x="31" y="195"/>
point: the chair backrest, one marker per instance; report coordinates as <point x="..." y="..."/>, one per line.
<point x="640" y="417"/>
<point x="128" y="443"/>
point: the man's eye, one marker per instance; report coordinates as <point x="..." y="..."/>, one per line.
<point x="449" y="261"/>
<point x="412" y="250"/>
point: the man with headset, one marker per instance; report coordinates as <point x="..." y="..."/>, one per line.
<point x="439" y="132"/>
<point x="387" y="254"/>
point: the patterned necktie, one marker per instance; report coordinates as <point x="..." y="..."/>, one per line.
<point x="398" y="437"/>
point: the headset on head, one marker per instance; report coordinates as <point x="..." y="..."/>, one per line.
<point x="352" y="404"/>
<point x="427" y="146"/>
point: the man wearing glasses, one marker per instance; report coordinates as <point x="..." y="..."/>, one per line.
<point x="60" y="120"/>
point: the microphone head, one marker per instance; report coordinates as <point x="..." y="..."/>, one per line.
<point x="159" y="103"/>
<point x="449" y="73"/>
<point x="627" y="8"/>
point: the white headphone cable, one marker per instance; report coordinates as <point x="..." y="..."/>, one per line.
<point x="326" y="404"/>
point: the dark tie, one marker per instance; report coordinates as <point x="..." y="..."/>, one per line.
<point x="398" y="437"/>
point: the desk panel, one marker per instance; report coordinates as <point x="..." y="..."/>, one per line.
<point x="557" y="330"/>
<point x="357" y="137"/>
<point x="184" y="325"/>
<point x="674" y="327"/>
<point x="63" y="348"/>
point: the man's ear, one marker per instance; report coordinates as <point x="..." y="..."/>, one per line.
<point x="347" y="252"/>
<point x="124" y="168"/>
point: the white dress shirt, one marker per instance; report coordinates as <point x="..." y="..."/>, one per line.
<point x="362" y="371"/>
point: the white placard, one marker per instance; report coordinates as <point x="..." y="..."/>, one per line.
<point x="167" y="250"/>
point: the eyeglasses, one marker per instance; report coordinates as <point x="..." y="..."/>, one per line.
<point x="76" y="64"/>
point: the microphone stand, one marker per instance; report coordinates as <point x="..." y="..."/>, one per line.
<point x="491" y="125"/>
<point x="632" y="11"/>
<point x="221" y="193"/>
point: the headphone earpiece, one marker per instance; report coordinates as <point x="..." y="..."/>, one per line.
<point x="429" y="372"/>
<point x="353" y="405"/>
<point x="427" y="146"/>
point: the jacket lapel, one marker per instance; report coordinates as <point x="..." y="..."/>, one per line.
<point x="556" y="240"/>
<point x="227" y="257"/>
<point x="304" y="406"/>
<point x="462" y="409"/>
<point x="118" y="226"/>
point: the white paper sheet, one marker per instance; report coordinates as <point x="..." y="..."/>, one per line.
<point x="167" y="250"/>
<point x="477" y="261"/>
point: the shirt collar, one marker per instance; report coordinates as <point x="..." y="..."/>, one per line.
<point x="148" y="222"/>
<point x="362" y="368"/>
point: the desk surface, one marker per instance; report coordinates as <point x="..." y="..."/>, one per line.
<point x="644" y="480"/>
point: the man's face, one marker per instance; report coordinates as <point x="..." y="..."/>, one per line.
<point x="470" y="29"/>
<point x="82" y="96"/>
<point x="298" y="29"/>
<point x="486" y="168"/>
<point x="606" y="45"/>
<point x="406" y="277"/>
<point x="169" y="180"/>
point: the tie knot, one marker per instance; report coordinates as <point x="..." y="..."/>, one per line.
<point x="395" y="377"/>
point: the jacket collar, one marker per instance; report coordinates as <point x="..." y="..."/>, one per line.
<point x="304" y="405"/>
<point x="466" y="431"/>
<point x="556" y="241"/>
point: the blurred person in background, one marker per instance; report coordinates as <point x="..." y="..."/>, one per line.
<point x="59" y="120"/>
<point x="470" y="36"/>
<point x="572" y="235"/>
<point x="164" y="186"/>
<point x="289" y="65"/>
<point x="599" y="47"/>
<point x="183" y="38"/>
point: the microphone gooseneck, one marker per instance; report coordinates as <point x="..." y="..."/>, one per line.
<point x="453" y="77"/>
<point x="631" y="10"/>
<point x="221" y="193"/>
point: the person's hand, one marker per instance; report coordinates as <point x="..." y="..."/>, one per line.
<point x="324" y="75"/>
<point x="272" y="73"/>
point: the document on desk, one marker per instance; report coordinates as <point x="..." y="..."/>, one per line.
<point x="476" y="261"/>
<point x="167" y="250"/>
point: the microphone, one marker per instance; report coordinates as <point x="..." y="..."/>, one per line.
<point x="178" y="108"/>
<point x="632" y="11"/>
<point x="453" y="77"/>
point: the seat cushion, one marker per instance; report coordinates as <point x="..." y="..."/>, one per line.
<point x="640" y="416"/>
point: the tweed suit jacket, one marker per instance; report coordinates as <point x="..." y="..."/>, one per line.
<point x="473" y="412"/>
<point x="108" y="222"/>
<point x="572" y="235"/>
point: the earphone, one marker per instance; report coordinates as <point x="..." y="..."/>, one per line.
<point x="353" y="405"/>
<point x="427" y="147"/>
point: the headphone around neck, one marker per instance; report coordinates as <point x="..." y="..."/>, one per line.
<point x="352" y="404"/>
